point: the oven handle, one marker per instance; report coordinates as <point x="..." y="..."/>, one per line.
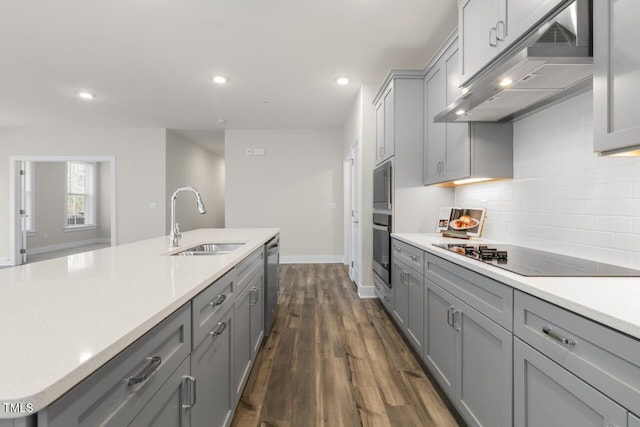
<point x="380" y="227"/>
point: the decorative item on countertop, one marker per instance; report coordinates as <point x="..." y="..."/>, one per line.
<point x="462" y="223"/>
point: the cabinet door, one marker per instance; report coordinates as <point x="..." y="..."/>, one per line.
<point x="242" y="341"/>
<point x="477" y="21"/>
<point x="484" y="374"/>
<point x="457" y="145"/>
<point x="400" y="293"/>
<point x="169" y="406"/>
<point x="522" y="15"/>
<point x="633" y="421"/>
<point x="380" y="131"/>
<point x="257" y="314"/>
<point x="547" y="395"/>
<point x="415" y="317"/>
<point x="616" y="75"/>
<point x="434" y="136"/>
<point x="440" y="336"/>
<point x="211" y="365"/>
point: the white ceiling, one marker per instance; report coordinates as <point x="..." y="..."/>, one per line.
<point x="150" y="62"/>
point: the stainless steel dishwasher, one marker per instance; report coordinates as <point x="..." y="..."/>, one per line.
<point x="272" y="282"/>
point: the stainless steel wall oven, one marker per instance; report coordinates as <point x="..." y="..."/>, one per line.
<point x="382" y="246"/>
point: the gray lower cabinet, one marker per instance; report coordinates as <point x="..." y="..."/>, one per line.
<point x="257" y="313"/>
<point x="408" y="310"/>
<point x="470" y="356"/>
<point x="117" y="392"/>
<point x="547" y="395"/>
<point x="171" y="405"/>
<point x="211" y="365"/>
<point x="383" y="292"/>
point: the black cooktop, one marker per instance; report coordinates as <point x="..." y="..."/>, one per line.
<point x="532" y="262"/>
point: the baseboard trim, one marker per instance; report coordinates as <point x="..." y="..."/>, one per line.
<point x="311" y="259"/>
<point x="366" y="292"/>
<point x="6" y="262"/>
<point x="68" y="245"/>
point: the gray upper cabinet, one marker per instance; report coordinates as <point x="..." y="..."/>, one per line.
<point x="633" y="421"/>
<point x="488" y="27"/>
<point x="455" y="151"/>
<point x="385" y="129"/>
<point x="616" y="77"/>
<point x="546" y="395"/>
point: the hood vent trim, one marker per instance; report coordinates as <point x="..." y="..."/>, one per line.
<point x="552" y="61"/>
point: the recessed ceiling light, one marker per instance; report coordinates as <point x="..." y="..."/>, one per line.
<point x="86" y="95"/>
<point x="505" y="82"/>
<point x="460" y="112"/>
<point x="219" y="79"/>
<point x="342" y="81"/>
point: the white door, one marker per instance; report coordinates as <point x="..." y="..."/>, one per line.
<point x="23" y="187"/>
<point x="356" y="261"/>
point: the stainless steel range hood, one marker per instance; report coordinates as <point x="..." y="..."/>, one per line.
<point x="553" y="60"/>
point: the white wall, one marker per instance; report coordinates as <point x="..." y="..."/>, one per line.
<point x="564" y="198"/>
<point x="140" y="175"/>
<point x="49" y="209"/>
<point x="191" y="164"/>
<point x="290" y="188"/>
<point x="360" y="124"/>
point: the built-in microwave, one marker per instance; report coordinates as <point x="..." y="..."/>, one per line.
<point x="382" y="187"/>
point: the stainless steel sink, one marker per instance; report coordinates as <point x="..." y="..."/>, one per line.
<point x="210" y="249"/>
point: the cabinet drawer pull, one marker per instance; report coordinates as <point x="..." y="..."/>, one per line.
<point x="502" y="25"/>
<point x="554" y="335"/>
<point x="450" y="311"/>
<point x="414" y="258"/>
<point x="456" y="319"/>
<point x="192" y="392"/>
<point x="218" y="301"/>
<point x="221" y="327"/>
<point x="397" y="249"/>
<point x="154" y="364"/>
<point x="493" y="32"/>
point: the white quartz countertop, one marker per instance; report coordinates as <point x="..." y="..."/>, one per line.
<point x="612" y="301"/>
<point x="62" y="319"/>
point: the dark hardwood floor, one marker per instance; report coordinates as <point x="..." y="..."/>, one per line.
<point x="333" y="359"/>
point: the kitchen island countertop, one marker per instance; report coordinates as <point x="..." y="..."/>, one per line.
<point x="64" y="318"/>
<point x="611" y="301"/>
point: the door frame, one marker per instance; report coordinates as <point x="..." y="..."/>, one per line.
<point x="355" y="186"/>
<point x="15" y="193"/>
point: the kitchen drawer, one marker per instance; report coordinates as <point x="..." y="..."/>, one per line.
<point x="489" y="297"/>
<point x="106" y="397"/>
<point x="383" y="292"/>
<point x="409" y="255"/>
<point x="604" y="358"/>
<point x="209" y="306"/>
<point x="247" y="268"/>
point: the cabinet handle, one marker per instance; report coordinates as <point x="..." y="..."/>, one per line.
<point x="450" y="312"/>
<point x="218" y="301"/>
<point x="413" y="258"/>
<point x="154" y="364"/>
<point x="555" y="336"/>
<point x="495" y="34"/>
<point x="192" y="392"/>
<point x="456" y="319"/>
<point x="221" y="327"/>
<point x="501" y="24"/>
<point x="254" y="291"/>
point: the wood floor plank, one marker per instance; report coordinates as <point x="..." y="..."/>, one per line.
<point x="333" y="359"/>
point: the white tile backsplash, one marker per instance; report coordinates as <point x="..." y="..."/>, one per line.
<point x="564" y="197"/>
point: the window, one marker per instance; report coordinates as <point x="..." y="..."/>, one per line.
<point x="29" y="197"/>
<point x="80" y="195"/>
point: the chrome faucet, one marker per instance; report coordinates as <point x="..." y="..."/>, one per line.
<point x="174" y="237"/>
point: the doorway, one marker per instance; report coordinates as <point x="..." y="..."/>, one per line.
<point x="60" y="205"/>
<point x="355" y="272"/>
